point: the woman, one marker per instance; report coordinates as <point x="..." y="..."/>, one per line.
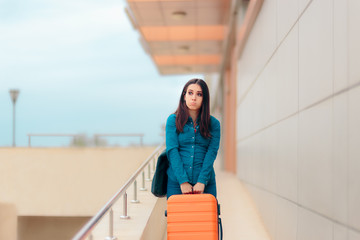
<point x="192" y="142"/>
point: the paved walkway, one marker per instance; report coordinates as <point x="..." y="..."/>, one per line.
<point x="239" y="216"/>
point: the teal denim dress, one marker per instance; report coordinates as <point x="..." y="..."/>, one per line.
<point x="191" y="156"/>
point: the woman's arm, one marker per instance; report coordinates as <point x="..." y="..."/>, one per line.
<point x="172" y="149"/>
<point x="211" y="153"/>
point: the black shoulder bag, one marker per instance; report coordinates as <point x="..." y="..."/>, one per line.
<point x="159" y="182"/>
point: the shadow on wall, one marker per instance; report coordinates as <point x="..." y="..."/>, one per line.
<point x="55" y="228"/>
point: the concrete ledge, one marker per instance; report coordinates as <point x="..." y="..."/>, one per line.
<point x="8" y="221"/>
<point x="65" y="182"/>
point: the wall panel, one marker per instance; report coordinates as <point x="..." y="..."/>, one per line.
<point x="288" y="76"/>
<point x="340" y="157"/>
<point x="286" y="220"/>
<point x="303" y="4"/>
<point x="301" y="163"/>
<point x="315" y="53"/>
<point x="340" y="232"/>
<point x="287" y="159"/>
<point x="260" y="46"/>
<point x="313" y="227"/>
<point x="353" y="41"/>
<point x="354" y="156"/>
<point x="315" y="158"/>
<point x="287" y="14"/>
<point x="352" y="235"/>
<point x="269" y="102"/>
<point x="340" y="45"/>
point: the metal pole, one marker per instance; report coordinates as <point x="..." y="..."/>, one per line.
<point x="111" y="226"/>
<point x="143" y="188"/>
<point x="125" y="216"/>
<point x="14" y="93"/>
<point x="29" y="140"/>
<point x="14" y="145"/>
<point x="135" y="200"/>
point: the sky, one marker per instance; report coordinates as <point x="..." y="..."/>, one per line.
<point x="80" y="69"/>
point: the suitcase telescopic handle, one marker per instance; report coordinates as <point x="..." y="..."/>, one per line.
<point x="220" y="229"/>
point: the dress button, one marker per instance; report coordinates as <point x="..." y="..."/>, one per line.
<point x="192" y="156"/>
<point x="192" y="146"/>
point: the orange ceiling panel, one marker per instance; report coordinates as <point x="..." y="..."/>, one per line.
<point x="164" y="60"/>
<point x="183" y="33"/>
<point x="215" y="32"/>
<point x="187" y="59"/>
<point x="158" y="0"/>
<point x="155" y="33"/>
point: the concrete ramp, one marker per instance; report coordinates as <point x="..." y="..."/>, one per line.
<point x="239" y="215"/>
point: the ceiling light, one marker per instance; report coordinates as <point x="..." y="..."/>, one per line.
<point x="178" y="15"/>
<point x="187" y="69"/>
<point x="184" y="48"/>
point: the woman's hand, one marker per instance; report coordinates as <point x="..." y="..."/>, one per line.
<point x="186" y="188"/>
<point x="199" y="188"/>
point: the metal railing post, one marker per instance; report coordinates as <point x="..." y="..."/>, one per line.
<point x="125" y="216"/>
<point x="153" y="168"/>
<point x="86" y="230"/>
<point x="143" y="188"/>
<point x="29" y="140"/>
<point x="111" y="226"/>
<point x="135" y="200"/>
<point x="149" y="177"/>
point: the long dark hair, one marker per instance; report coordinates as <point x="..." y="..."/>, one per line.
<point x="182" y="112"/>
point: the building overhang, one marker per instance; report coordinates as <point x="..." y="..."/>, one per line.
<point x="182" y="36"/>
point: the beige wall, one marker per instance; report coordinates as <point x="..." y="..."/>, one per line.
<point x="8" y="221"/>
<point x="298" y="114"/>
<point x="56" y="190"/>
<point x="65" y="181"/>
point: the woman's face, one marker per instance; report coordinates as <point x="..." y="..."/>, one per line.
<point x="194" y="97"/>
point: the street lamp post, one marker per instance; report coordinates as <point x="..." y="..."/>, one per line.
<point x="14" y="93"/>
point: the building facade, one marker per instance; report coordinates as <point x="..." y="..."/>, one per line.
<point x="287" y="88"/>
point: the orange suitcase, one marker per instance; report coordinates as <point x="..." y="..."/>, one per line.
<point x="193" y="217"/>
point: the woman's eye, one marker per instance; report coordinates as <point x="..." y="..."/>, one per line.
<point x="199" y="94"/>
<point x="190" y="93"/>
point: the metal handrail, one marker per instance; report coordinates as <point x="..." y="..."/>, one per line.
<point x="50" y="135"/>
<point x="91" y="224"/>
<point x="140" y="135"/>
